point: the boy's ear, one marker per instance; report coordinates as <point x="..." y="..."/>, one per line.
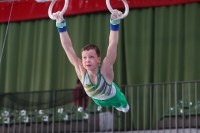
<point x="99" y="58"/>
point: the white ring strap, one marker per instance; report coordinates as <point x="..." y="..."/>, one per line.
<point x="112" y="11"/>
<point x="61" y="13"/>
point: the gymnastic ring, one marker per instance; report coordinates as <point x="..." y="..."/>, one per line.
<point x="112" y="11"/>
<point x="61" y="13"/>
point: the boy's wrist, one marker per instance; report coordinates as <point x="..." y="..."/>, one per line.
<point x="61" y="26"/>
<point x="114" y="25"/>
<point x="114" y="22"/>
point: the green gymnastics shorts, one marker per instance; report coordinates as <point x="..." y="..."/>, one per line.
<point x="117" y="100"/>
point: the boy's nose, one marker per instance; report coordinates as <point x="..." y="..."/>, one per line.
<point x="87" y="59"/>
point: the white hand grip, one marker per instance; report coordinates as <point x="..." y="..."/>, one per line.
<point x="112" y="11"/>
<point x="61" y="13"/>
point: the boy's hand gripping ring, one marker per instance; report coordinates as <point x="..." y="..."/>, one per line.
<point x="112" y="11"/>
<point x="61" y="13"/>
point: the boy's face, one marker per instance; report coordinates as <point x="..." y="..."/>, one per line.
<point x="90" y="59"/>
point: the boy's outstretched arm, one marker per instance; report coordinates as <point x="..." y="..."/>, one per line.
<point x="112" y="48"/>
<point x="67" y="44"/>
<point x="111" y="55"/>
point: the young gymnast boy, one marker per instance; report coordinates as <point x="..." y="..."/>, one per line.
<point x="97" y="79"/>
